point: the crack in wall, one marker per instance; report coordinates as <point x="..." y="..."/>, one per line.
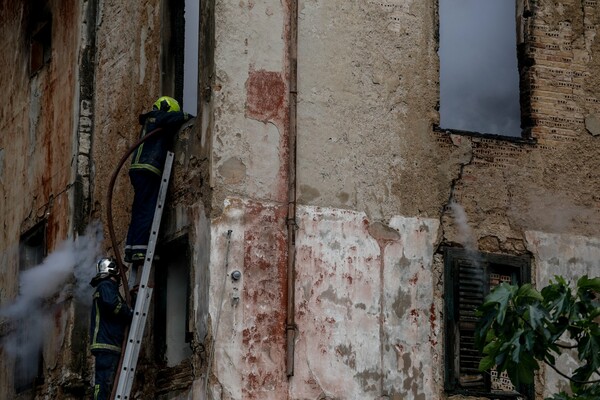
<point x="453" y="184"/>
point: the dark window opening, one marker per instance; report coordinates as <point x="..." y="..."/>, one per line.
<point x="468" y="279"/>
<point x="28" y="371"/>
<point x="172" y="326"/>
<point x="41" y="41"/>
<point x="479" y="71"/>
<point x="180" y="52"/>
<point x="190" y="66"/>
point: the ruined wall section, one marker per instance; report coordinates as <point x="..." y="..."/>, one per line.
<point x="36" y="155"/>
<point x="367" y="100"/>
<point x="539" y="198"/>
<point x="38" y="127"/>
<point x="368" y="92"/>
<point x="372" y="181"/>
<point x="550" y="185"/>
<point x="127" y="84"/>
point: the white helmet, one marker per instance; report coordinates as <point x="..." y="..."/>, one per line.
<point x="107" y="266"/>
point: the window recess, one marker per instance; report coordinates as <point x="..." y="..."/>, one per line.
<point x="40" y="50"/>
<point x="479" y="71"/>
<point x="28" y="370"/>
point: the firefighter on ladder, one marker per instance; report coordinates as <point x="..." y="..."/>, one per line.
<point x="110" y="317"/>
<point x="145" y="174"/>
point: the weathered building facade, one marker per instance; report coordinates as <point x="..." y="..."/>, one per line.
<point x="315" y="167"/>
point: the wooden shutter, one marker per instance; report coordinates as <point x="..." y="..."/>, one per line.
<point x="469" y="277"/>
<point x="471" y="291"/>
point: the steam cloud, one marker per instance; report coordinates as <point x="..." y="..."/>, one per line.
<point x="65" y="273"/>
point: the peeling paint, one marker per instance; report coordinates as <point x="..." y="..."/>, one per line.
<point x="356" y="306"/>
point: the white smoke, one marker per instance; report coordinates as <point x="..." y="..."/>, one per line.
<point x="62" y="275"/>
<point x="465" y="233"/>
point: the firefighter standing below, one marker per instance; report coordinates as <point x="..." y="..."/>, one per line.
<point x="145" y="175"/>
<point x="110" y="318"/>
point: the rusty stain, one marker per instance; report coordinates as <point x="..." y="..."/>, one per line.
<point x="414" y="313"/>
<point x="265" y="294"/>
<point x="57" y="318"/>
<point x="348" y="278"/>
<point x="414" y="279"/>
<point x="266" y="95"/>
<point x="432" y="324"/>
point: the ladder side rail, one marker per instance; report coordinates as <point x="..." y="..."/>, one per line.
<point x="162" y="194"/>
<point x="134" y="344"/>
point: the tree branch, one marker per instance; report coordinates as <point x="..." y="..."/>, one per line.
<point x="568" y="377"/>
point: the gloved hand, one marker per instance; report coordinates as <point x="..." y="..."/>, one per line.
<point x="133" y="294"/>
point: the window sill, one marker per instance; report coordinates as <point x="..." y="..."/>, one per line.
<point x="525" y="139"/>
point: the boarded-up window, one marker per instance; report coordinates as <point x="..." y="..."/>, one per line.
<point x="469" y="277"/>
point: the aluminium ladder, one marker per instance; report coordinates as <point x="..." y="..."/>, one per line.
<point x="142" y="304"/>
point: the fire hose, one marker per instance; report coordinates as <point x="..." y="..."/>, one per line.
<point x="109" y="217"/>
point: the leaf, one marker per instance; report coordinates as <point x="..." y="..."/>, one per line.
<point x="523" y="372"/>
<point x="515" y="346"/>
<point x="589" y="350"/>
<point x="557" y="300"/>
<point x="536" y="315"/>
<point x="501" y="295"/>
<point x="483" y="328"/>
<point x="529" y="340"/>
<point x="559" y="396"/>
<point x="589" y="284"/>
<point x="550" y="358"/>
<point x="529" y="292"/>
<point x="491" y="347"/>
<point x="486" y="363"/>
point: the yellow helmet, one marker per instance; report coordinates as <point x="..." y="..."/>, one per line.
<point x="166" y="103"/>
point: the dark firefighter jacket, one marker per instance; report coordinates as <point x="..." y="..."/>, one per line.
<point x="151" y="154"/>
<point x="110" y="316"/>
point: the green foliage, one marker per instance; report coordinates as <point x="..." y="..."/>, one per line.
<point x="520" y="327"/>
